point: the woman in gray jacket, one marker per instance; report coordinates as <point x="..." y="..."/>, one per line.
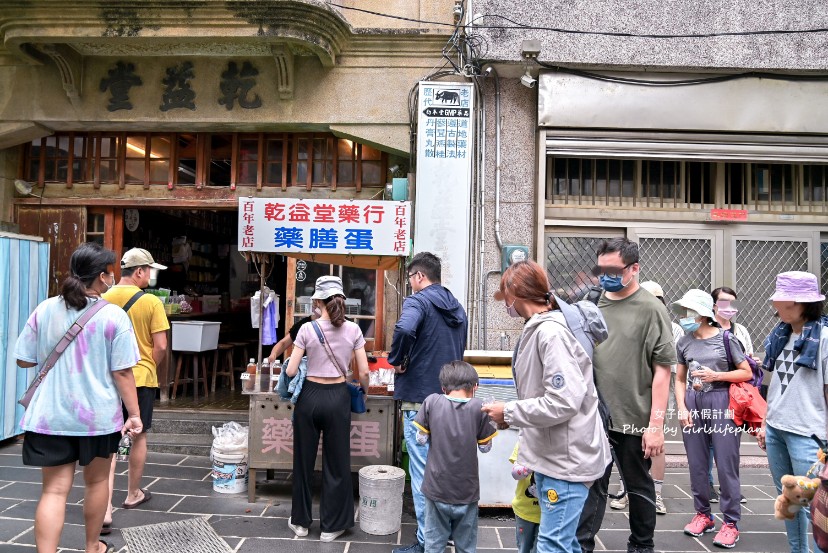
<point x="562" y="439"/>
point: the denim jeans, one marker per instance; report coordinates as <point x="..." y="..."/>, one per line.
<point x="790" y="453"/>
<point x="561" y="503"/>
<point x="417" y="455"/>
<point x="526" y="535"/>
<point x="444" y="520"/>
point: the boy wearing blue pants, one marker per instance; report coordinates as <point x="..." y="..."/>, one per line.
<point x="456" y="426"/>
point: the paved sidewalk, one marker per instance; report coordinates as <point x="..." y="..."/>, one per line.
<point x="181" y="489"/>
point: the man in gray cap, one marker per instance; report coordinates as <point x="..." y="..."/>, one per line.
<point x="150" y="324"/>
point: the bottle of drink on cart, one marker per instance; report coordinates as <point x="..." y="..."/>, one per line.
<point x="264" y="376"/>
<point x="250" y="378"/>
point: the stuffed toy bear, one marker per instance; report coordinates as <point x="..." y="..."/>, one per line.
<point x="797" y="492"/>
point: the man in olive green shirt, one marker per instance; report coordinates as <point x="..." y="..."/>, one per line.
<point x="632" y="371"/>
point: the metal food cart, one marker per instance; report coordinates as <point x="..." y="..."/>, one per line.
<point x="374" y="436"/>
<point x="375" y="433"/>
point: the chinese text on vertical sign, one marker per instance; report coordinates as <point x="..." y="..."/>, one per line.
<point x="447" y="114"/>
<point x="359" y="227"/>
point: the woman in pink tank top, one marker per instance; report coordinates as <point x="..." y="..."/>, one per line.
<point x="324" y="406"/>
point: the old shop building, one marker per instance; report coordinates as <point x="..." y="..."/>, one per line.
<point x="140" y="124"/>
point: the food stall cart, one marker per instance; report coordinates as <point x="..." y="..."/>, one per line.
<point x="358" y="233"/>
<point x="496" y="382"/>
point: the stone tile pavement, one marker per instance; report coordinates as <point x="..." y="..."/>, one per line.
<point x="181" y="488"/>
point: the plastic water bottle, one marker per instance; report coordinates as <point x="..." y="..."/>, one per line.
<point x="697" y="383"/>
<point x="123" y="448"/>
<point x="489" y="400"/>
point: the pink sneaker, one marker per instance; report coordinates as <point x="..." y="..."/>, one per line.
<point x="700" y="524"/>
<point x="727" y="537"/>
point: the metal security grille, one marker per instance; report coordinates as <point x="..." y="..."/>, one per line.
<point x="569" y="260"/>
<point x="183" y="536"/>
<point x="677" y="264"/>
<point x="823" y="258"/>
<point x="757" y="264"/>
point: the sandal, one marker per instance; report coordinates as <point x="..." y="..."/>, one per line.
<point x="106" y="529"/>
<point x="147" y="497"/>
<point x="108" y="547"/>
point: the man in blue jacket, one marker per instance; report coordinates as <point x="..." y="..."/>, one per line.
<point x="431" y="332"/>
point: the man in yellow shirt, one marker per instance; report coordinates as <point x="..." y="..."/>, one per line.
<point x="138" y="271"/>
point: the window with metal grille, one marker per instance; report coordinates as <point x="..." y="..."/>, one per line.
<point x="761" y="187"/>
<point x="212" y="159"/>
<point x="629" y="182"/>
<point x="823" y="260"/>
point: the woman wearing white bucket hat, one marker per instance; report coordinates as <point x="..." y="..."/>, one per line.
<point x="702" y="407"/>
<point x="324" y="406"/>
<point x="796" y="353"/>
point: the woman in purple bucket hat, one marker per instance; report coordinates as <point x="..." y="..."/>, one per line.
<point x="796" y="354"/>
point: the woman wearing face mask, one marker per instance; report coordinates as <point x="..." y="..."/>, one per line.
<point x="703" y="380"/>
<point x="75" y="415"/>
<point x="724" y="306"/>
<point x="796" y="353"/>
<point x="561" y="436"/>
<point x="324" y="406"/>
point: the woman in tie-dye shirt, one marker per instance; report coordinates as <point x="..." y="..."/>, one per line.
<point x="75" y="414"/>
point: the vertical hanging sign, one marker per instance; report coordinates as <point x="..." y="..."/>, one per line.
<point x="444" y="172"/>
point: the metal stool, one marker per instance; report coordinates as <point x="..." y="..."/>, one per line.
<point x="223" y="360"/>
<point x="199" y="359"/>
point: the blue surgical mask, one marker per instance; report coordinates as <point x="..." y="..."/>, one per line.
<point x="689" y="324"/>
<point x="612" y="283"/>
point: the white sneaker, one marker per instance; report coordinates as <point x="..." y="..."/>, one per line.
<point x="618" y="504"/>
<point x="661" y="509"/>
<point x="330" y="536"/>
<point x="300" y="531"/>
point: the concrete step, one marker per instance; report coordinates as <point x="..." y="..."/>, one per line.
<point x="188" y="432"/>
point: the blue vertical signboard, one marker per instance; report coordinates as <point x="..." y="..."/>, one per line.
<point x="24" y="272"/>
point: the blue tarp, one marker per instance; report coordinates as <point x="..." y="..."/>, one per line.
<point x="24" y="273"/>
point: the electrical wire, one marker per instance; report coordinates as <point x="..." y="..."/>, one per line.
<point x="682" y="82"/>
<point x="518" y="25"/>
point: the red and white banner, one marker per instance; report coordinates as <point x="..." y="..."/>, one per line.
<point x="356" y="227"/>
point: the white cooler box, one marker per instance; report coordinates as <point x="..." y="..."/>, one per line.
<point x="195" y="335"/>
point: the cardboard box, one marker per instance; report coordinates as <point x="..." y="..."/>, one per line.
<point x="195" y="335"/>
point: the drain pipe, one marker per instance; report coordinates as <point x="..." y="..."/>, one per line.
<point x="481" y="212"/>
<point x="485" y="279"/>
<point x="483" y="325"/>
<point x="498" y="241"/>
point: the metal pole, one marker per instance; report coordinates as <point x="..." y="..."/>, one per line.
<point x="262" y="277"/>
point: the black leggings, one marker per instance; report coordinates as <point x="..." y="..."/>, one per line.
<point x="324" y="408"/>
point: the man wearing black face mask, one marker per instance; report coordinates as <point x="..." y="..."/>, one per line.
<point x="632" y="371"/>
<point x="150" y="324"/>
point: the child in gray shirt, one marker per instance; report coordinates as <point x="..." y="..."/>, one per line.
<point x="457" y="427"/>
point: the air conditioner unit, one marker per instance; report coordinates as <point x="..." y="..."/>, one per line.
<point x="353" y="306"/>
<point x="303" y="305"/>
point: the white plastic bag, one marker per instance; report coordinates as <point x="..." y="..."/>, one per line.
<point x="230" y="437"/>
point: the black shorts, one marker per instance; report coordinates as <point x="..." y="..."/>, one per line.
<point x="146" y="399"/>
<point x="47" y="450"/>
